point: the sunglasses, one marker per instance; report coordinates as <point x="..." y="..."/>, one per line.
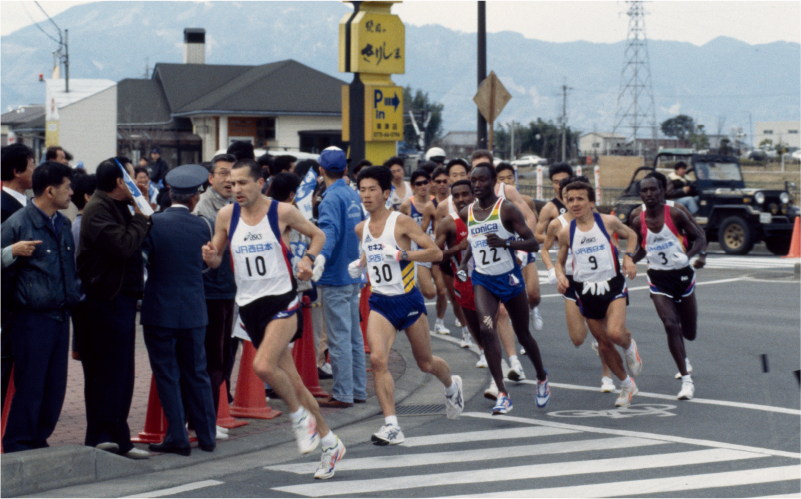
<point x="418" y="184"/>
<point x="441" y="181"/>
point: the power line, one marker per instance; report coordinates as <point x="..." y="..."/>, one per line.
<point x="50" y="19"/>
<point x="37" y="24"/>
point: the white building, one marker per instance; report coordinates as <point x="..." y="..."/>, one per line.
<point x="784" y="132"/>
<point x="599" y="144"/>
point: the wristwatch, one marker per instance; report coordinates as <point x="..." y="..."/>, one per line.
<point x="630" y="254"/>
<point x="311" y="257"/>
<point x="507" y="243"/>
<point x="702" y="253"/>
<point x="404" y="256"/>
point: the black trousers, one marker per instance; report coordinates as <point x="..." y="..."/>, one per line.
<point x="178" y="360"/>
<point x="108" y="361"/>
<point x="218" y="343"/>
<point x="40" y="345"/>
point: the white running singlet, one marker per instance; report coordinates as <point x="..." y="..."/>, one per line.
<point x="664" y="250"/>
<point x="389" y="278"/>
<point x="594" y="255"/>
<point x="262" y="262"/>
<point x="489" y="261"/>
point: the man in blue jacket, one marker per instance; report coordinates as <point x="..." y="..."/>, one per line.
<point x="340" y="211"/>
<point x="174" y="314"/>
<point x="43" y="289"/>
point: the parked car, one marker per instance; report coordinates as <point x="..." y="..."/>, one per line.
<point x="731" y="214"/>
<point x="530" y="160"/>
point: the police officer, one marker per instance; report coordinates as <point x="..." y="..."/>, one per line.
<point x="174" y="313"/>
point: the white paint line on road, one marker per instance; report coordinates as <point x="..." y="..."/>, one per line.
<point x="611" y="465"/>
<point x="466" y="456"/>
<point x="477" y="436"/>
<point x="641" y="434"/>
<point x="640" y="288"/>
<point x="725" y="403"/>
<point x="662" y="485"/>
<point x="179" y="489"/>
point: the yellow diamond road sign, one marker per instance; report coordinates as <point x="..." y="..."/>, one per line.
<point x="491" y="97"/>
<point x="383" y="113"/>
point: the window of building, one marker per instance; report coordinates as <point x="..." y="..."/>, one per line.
<point x="596" y="144"/>
<point x="768" y="132"/>
<point x="792" y="131"/>
<point x="265" y="131"/>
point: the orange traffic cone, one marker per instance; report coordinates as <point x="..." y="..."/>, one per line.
<point x="249" y="399"/>
<point x="155" y="420"/>
<point x="795" y="242"/>
<point x="303" y="353"/>
<point x="7" y="406"/>
<point x="364" y="311"/>
<point x="224" y="417"/>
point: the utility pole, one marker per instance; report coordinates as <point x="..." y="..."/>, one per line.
<point x="481" y="136"/>
<point x="512" y="149"/>
<point x="565" y="88"/>
<point x="67" y="59"/>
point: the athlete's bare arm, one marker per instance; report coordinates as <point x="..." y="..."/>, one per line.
<point x="440" y="213"/>
<point x="213" y="250"/>
<point x="635" y="224"/>
<point x="550" y="238"/>
<point x="513" y="221"/>
<point x="406" y="207"/>
<point x="547" y="213"/>
<point x="445" y="235"/>
<point x="614" y="225"/>
<point x="561" y="258"/>
<point x="529" y="217"/>
<point x="686" y="224"/>
<point x="429" y="213"/>
<point x="406" y="228"/>
<point x="289" y="216"/>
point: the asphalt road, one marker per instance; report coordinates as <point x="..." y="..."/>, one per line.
<point x="738" y="438"/>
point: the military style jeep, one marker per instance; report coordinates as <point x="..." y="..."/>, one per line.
<point x="731" y="214"/>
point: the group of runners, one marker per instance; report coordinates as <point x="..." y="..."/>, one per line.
<point x="477" y="246"/>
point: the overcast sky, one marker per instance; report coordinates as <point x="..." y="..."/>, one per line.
<point x="559" y="21"/>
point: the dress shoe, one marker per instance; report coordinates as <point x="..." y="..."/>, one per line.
<point x="170" y="448"/>
<point x="359" y="401"/>
<point x="324" y="375"/>
<point x="332" y="402"/>
<point x="108" y="447"/>
<point x="207" y="448"/>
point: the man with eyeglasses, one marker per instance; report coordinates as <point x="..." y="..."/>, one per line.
<point x="413" y="207"/>
<point x="219" y="284"/>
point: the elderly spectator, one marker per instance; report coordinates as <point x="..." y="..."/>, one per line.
<point x="58" y="154"/>
<point x="42" y="284"/>
<point x="174" y="314"/>
<point x="218" y="284"/>
<point x="111" y="268"/>
<point x="340" y="211"/>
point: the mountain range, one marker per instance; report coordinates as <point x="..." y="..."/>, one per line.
<point x="722" y="84"/>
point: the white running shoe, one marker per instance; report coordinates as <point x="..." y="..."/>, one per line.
<point x="306" y="433"/>
<point x="440" y="328"/>
<point x="457" y="323"/>
<point x="482" y="361"/>
<point x="594" y="346"/>
<point x="543" y="393"/>
<point x="492" y="391"/>
<point x="633" y="361"/>
<point x="516" y="371"/>
<point x="221" y="435"/>
<point x="626" y="392"/>
<point x="689" y="369"/>
<point x="607" y="384"/>
<point x="329" y="460"/>
<point x="467" y="340"/>
<point x="535" y="319"/>
<point x="389" y="434"/>
<point x="522" y="351"/>
<point x="222" y="429"/>
<point x="687" y="390"/>
<point x="503" y="405"/>
<point x="455" y="403"/>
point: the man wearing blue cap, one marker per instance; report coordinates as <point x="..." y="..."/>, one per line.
<point x="340" y="211"/>
<point x="174" y="313"/>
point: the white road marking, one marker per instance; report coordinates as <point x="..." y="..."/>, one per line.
<point x="179" y="489"/>
<point x="462" y="456"/>
<point x="662" y="485"/>
<point x="726" y="403"/>
<point x="477" y="436"/>
<point x="641" y="434"/>
<point x="370" y="486"/>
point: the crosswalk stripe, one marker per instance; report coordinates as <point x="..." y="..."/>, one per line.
<point x="477" y="436"/>
<point x="462" y="456"/>
<point x="181" y="488"/>
<point x="661" y="485"/>
<point x="352" y="487"/>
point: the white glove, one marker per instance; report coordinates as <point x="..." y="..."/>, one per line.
<point x="552" y="276"/>
<point x="392" y="255"/>
<point x="355" y="268"/>
<point x="602" y="288"/>
<point x="319" y="267"/>
<point x="462" y="275"/>
<point x="681" y="259"/>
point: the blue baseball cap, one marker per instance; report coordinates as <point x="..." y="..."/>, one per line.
<point x="333" y="159"/>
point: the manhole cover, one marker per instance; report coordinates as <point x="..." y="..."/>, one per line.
<point x="419" y="410"/>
